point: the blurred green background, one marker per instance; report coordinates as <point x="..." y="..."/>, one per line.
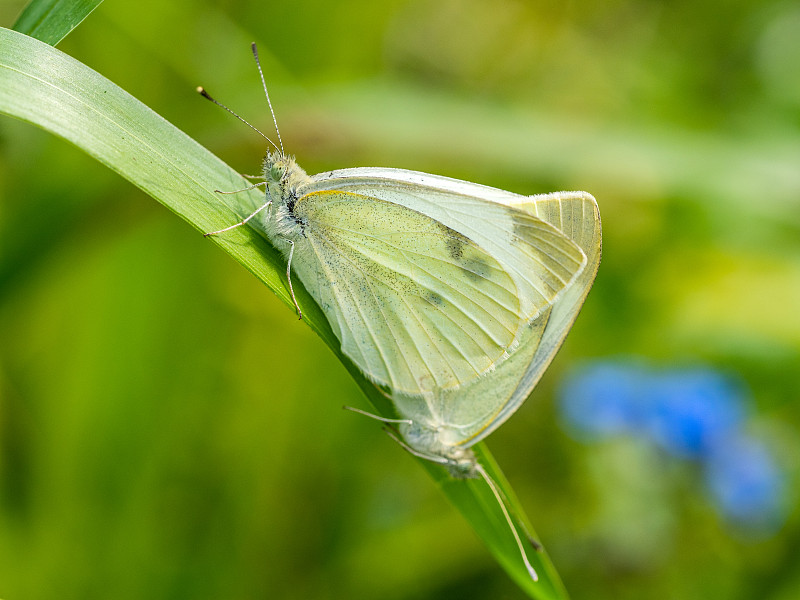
<point x="169" y="430"/>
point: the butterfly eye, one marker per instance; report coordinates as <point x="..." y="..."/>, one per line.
<point x="276" y="173"/>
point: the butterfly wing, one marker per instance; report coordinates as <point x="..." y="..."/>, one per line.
<point x="465" y="416"/>
<point x="575" y="214"/>
<point x="469" y="413"/>
<point x="418" y="305"/>
<point x="540" y="258"/>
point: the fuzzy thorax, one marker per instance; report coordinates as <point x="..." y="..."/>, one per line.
<point x="284" y="178"/>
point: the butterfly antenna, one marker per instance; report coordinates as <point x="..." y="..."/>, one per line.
<point x="201" y="90"/>
<point x="266" y="93"/>
<point x="497" y="496"/>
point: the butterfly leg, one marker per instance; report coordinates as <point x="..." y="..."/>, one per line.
<point x="289" y="278"/>
<point x="391" y="433"/>
<point x="242" y="222"/>
<point x="376" y="417"/>
<point x="247" y="189"/>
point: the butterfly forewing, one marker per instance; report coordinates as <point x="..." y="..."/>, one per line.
<point x="540" y="258"/>
<point x="417" y="305"/>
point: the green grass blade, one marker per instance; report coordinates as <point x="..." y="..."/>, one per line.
<point x="50" y="21"/>
<point x="45" y="87"/>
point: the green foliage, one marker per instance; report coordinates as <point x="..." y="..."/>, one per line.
<point x="50" y="21"/>
<point x="168" y="429"/>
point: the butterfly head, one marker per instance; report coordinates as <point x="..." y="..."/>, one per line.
<point x="283" y="175"/>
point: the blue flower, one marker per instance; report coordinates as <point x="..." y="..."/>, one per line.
<point x="689" y="410"/>
<point x="682" y="410"/>
<point x="602" y="399"/>
<point x="747" y="484"/>
<point x="696" y="414"/>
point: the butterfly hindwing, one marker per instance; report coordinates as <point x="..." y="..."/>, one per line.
<point x="577" y="216"/>
<point x="467" y="415"/>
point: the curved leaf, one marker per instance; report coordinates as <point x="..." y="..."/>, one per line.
<point x="50" y="21"/>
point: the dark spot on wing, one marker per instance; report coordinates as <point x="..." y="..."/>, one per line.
<point x="462" y="250"/>
<point x="434" y="298"/>
<point x="476" y="269"/>
<point x="454" y="241"/>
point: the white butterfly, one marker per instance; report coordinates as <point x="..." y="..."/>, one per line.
<point x="450" y="296"/>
